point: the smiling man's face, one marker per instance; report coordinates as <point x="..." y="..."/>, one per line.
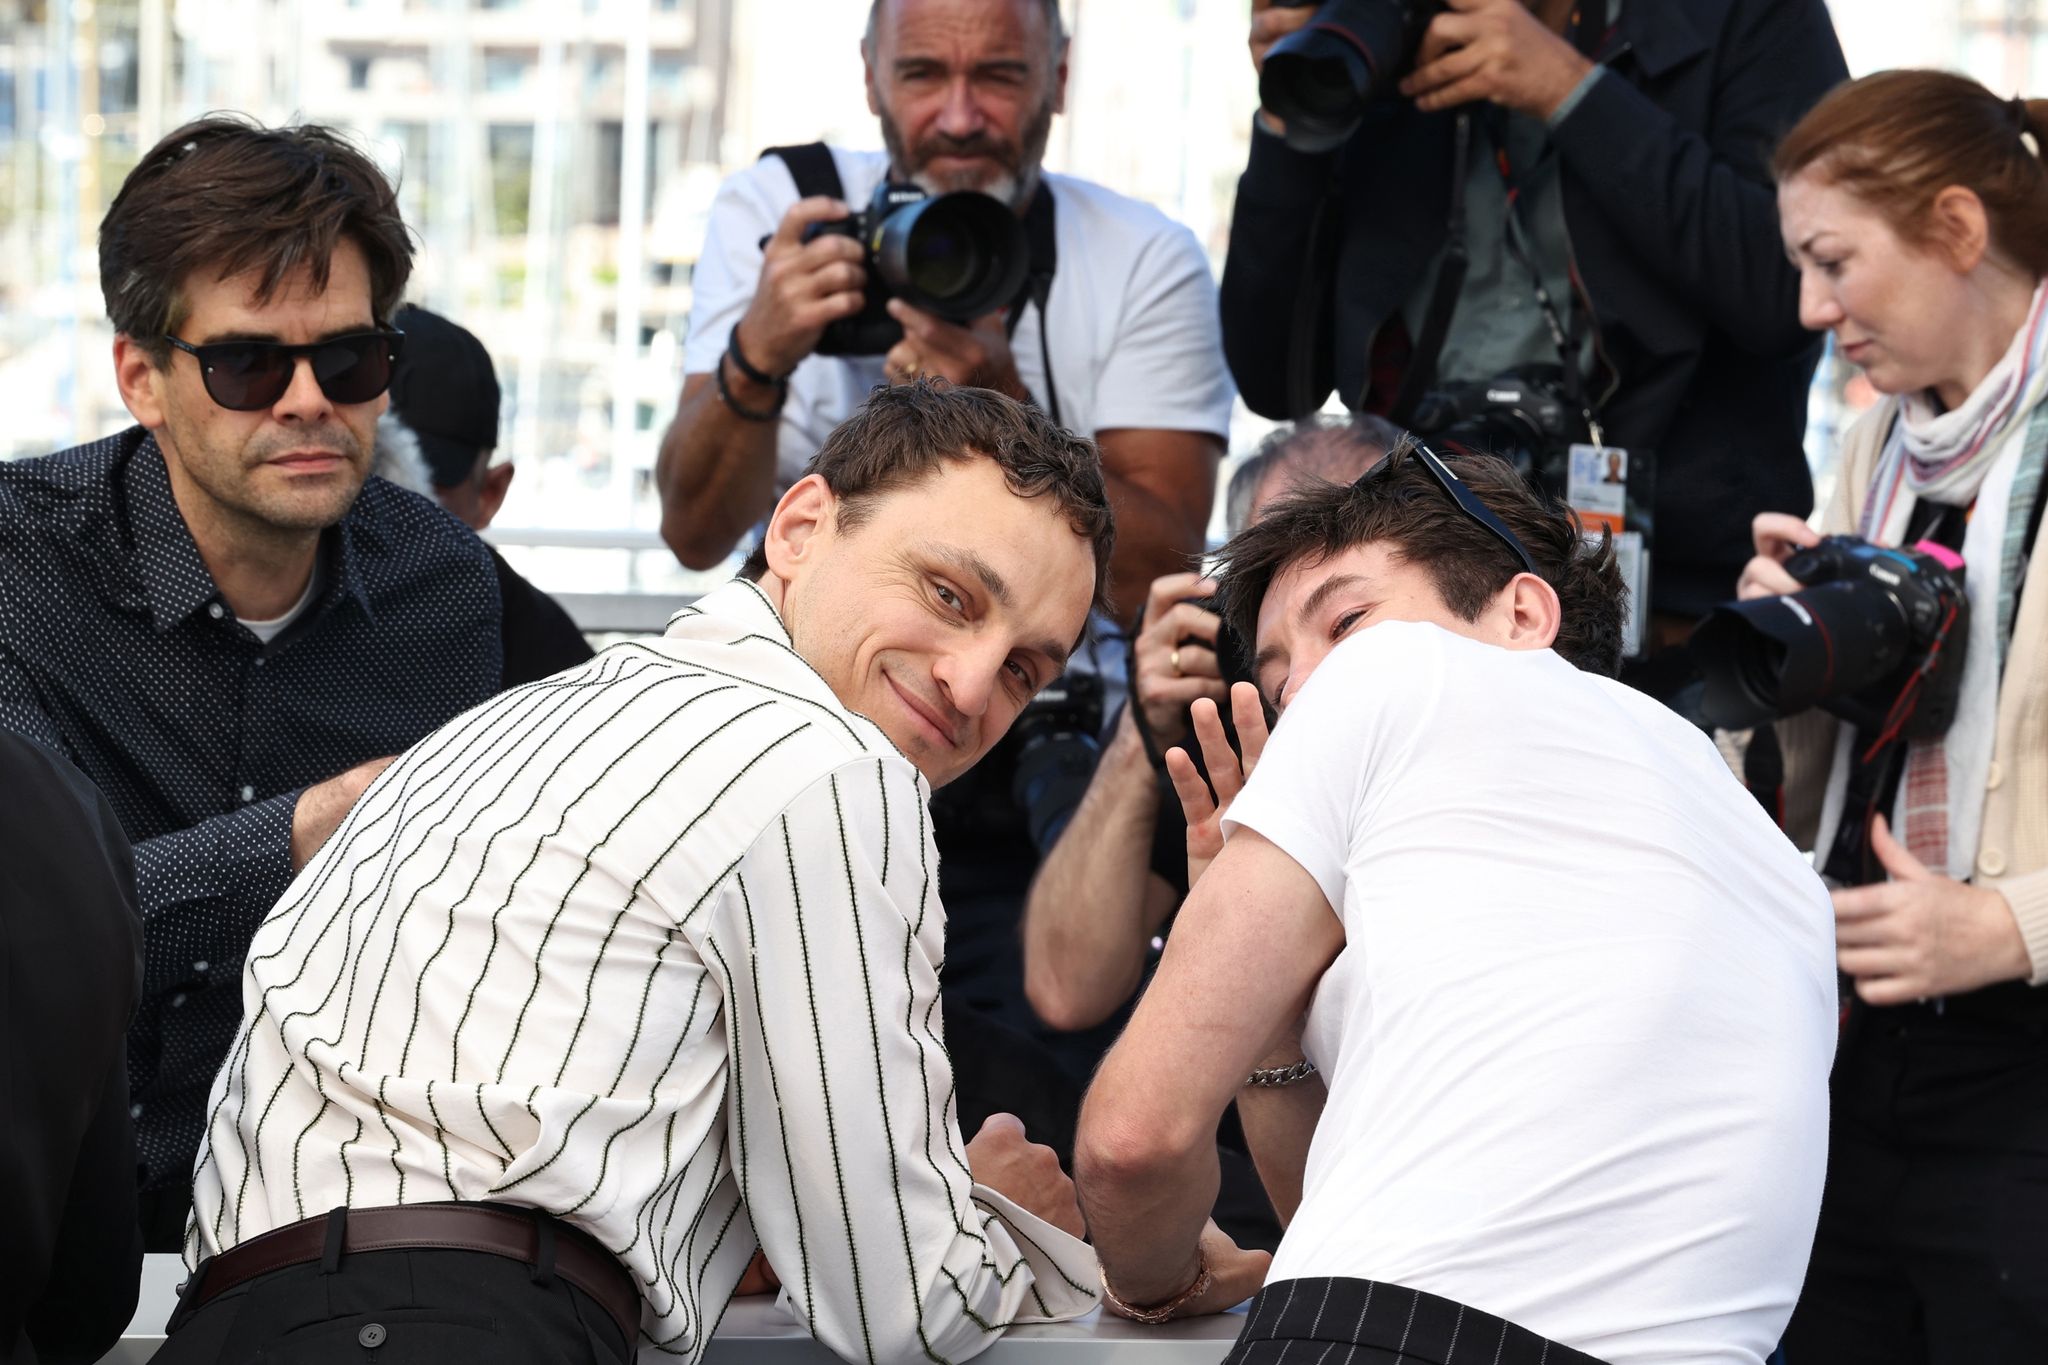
<point x="293" y="467"/>
<point x="941" y="611"/>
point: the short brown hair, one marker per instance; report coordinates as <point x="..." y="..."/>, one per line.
<point x="1897" y="139"/>
<point x="226" y="194"/>
<point x="1399" y="503"/>
<point x="902" y="433"/>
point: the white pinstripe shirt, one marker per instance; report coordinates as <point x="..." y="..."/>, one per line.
<point x="652" y="945"/>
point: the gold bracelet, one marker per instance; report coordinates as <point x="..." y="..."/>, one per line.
<point x="1160" y="1312"/>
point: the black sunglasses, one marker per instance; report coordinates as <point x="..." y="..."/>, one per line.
<point x="243" y="376"/>
<point x="1469" y="503"/>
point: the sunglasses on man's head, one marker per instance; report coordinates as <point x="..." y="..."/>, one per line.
<point x="244" y="376"/>
<point x="1467" y="501"/>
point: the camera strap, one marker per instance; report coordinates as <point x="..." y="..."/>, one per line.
<point x="1875" y="770"/>
<point x="813" y="169"/>
<point x="1443" y="300"/>
<point x="1567" y="332"/>
<point x="1041" y="231"/>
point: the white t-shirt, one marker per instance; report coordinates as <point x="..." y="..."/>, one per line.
<point x="1577" y="1041"/>
<point x="1136" y="340"/>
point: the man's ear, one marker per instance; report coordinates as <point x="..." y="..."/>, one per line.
<point x="867" y="67"/>
<point x="1531" y="613"/>
<point x="801" y="522"/>
<point x="491" y="490"/>
<point x="1059" y="77"/>
<point x="140" y="380"/>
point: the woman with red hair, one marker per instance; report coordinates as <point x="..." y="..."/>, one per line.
<point x="1915" y="205"/>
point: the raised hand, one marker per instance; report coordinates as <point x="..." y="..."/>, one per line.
<point x="1204" y="807"/>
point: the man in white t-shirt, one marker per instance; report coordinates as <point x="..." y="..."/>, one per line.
<point x="1526" y="1005"/>
<point x="965" y="91"/>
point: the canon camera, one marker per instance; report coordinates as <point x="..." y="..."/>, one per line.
<point x="957" y="256"/>
<point x="1876" y="637"/>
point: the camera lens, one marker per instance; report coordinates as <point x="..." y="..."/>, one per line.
<point x="1318" y="79"/>
<point x="1777" y="656"/>
<point x="958" y="255"/>
<point x="943" y="263"/>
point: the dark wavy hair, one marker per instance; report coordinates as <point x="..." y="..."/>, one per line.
<point x="226" y="195"/>
<point x="1400" y="504"/>
<point x="902" y="433"/>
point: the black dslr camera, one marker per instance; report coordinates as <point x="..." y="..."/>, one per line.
<point x="1876" y="637"/>
<point x="958" y="256"/>
<point x="1320" y="78"/>
<point x="1522" y="417"/>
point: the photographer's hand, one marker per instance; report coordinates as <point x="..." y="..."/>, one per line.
<point x="1920" y="935"/>
<point x="805" y="286"/>
<point x="1778" y="536"/>
<point x="1205" y="811"/>
<point x="977" y="354"/>
<point x="1175" y="655"/>
<point x="1495" y="50"/>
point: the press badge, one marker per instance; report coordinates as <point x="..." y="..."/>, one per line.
<point x="1597" y="487"/>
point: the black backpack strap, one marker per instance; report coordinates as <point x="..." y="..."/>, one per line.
<point x="812" y="166"/>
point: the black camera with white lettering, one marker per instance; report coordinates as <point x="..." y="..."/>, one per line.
<point x="1319" y="79"/>
<point x="1876" y="637"/>
<point x="957" y="256"/>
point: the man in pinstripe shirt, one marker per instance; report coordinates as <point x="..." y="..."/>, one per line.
<point x="638" y="965"/>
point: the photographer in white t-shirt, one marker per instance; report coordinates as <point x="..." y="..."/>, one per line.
<point x="1527" y="1006"/>
<point x="1127" y="349"/>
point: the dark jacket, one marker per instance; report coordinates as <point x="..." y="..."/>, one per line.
<point x="70" y="971"/>
<point x="1674" y="230"/>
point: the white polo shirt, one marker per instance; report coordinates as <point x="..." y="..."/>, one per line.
<point x="1577" y="1042"/>
<point x="1136" y="339"/>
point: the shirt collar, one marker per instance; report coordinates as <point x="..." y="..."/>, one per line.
<point x="175" y="580"/>
<point x="743" y="604"/>
<point x="739" y="602"/>
<point x="342" y="551"/>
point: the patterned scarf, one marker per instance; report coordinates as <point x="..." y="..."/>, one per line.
<point x="1987" y="455"/>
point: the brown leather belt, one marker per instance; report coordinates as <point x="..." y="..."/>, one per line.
<point x="495" y="1230"/>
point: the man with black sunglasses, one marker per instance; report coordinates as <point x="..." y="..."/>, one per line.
<point x="216" y="614"/>
<point x="1552" y="996"/>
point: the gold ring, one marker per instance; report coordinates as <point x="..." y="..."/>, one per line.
<point x="1174" y="660"/>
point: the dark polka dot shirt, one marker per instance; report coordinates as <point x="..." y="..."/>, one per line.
<point x="117" y="649"/>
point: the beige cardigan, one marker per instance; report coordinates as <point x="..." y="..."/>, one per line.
<point x="2012" y="851"/>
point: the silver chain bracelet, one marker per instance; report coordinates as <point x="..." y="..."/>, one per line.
<point x="1282" y="1075"/>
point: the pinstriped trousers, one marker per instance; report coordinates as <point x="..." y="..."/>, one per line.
<point x="1338" y="1321"/>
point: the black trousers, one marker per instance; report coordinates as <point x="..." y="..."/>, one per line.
<point x="416" y="1307"/>
<point x="1933" y="1237"/>
<point x="1383" y="1324"/>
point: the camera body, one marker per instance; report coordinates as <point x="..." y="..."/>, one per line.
<point x="1319" y="79"/>
<point x="1521" y="416"/>
<point x="1875" y="629"/>
<point x="958" y="255"/>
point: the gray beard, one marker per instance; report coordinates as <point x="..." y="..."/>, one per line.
<point x="1014" y="188"/>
